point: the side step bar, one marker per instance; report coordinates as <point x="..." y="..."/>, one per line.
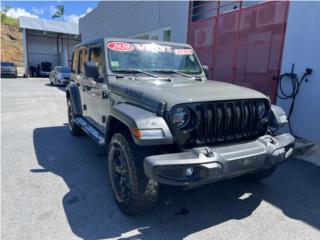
<point x="90" y="130"/>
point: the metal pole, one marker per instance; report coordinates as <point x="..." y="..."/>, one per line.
<point x="25" y="52"/>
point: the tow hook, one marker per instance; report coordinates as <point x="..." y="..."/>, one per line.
<point x="205" y="151"/>
<point x="208" y="152"/>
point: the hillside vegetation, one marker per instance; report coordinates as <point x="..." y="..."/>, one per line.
<point x="11" y="41"/>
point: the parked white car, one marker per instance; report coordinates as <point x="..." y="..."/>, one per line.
<point x="60" y="75"/>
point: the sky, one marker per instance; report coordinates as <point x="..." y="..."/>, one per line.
<point x="45" y="9"/>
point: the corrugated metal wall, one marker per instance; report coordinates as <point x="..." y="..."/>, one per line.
<point x="49" y="48"/>
<point x="42" y="49"/>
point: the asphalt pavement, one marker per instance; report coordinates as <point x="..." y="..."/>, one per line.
<point x="54" y="186"/>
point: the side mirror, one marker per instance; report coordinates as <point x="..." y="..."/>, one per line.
<point x="91" y="70"/>
<point x="206" y="70"/>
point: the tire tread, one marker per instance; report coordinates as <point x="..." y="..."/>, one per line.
<point x="144" y="191"/>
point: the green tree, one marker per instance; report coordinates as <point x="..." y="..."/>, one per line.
<point x="59" y="13"/>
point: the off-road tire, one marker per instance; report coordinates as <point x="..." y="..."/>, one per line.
<point x="143" y="193"/>
<point x="259" y="175"/>
<point x="73" y="127"/>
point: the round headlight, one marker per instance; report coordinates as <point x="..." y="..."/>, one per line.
<point x="181" y="117"/>
<point x="261" y="109"/>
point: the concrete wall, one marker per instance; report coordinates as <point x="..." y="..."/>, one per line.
<point x="124" y="19"/>
<point x="302" y="47"/>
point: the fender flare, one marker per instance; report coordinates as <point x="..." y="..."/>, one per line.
<point x="72" y="92"/>
<point x="278" y="118"/>
<point x="135" y="117"/>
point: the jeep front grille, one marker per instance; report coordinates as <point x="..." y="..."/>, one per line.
<point x="222" y="121"/>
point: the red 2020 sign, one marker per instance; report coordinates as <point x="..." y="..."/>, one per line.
<point x="120" y="46"/>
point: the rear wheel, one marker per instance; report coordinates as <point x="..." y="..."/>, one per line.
<point x="133" y="192"/>
<point x="259" y="175"/>
<point x="73" y="127"/>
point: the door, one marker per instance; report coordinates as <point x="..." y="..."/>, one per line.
<point x="96" y="90"/>
<point x="75" y="75"/>
<point x="82" y="81"/>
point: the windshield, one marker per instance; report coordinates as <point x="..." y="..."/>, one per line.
<point x="63" y="69"/>
<point x="7" y="64"/>
<point x="152" y="57"/>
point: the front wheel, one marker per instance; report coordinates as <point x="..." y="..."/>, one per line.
<point x="133" y="192"/>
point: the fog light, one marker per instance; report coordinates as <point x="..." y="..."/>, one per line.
<point x="189" y="171"/>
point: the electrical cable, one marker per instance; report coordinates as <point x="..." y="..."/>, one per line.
<point x="296" y="84"/>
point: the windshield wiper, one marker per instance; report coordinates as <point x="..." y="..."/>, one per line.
<point x="135" y="71"/>
<point x="172" y="71"/>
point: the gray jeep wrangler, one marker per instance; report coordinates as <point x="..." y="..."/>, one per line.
<point x="163" y="122"/>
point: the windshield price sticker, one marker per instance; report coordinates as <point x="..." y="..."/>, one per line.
<point x="114" y="64"/>
<point x="153" y="47"/>
<point x="183" y="51"/>
<point x="120" y="46"/>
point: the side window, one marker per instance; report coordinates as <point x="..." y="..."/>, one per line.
<point x="96" y="55"/>
<point x="75" y="60"/>
<point x="82" y="59"/>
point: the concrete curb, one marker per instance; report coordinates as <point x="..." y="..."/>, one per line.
<point x="301" y="145"/>
<point x="307" y="151"/>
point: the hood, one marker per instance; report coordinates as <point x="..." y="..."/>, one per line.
<point x="180" y="90"/>
<point x="64" y="74"/>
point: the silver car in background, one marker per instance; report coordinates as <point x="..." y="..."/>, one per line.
<point x="8" y="69"/>
<point x="60" y="75"/>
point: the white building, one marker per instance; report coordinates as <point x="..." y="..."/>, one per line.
<point x="47" y="41"/>
<point x="152" y="19"/>
<point x="249" y="43"/>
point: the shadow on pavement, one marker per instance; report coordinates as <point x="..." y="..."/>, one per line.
<point x="93" y="214"/>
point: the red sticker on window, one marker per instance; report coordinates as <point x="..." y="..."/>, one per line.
<point x="120" y="46"/>
<point x="183" y="51"/>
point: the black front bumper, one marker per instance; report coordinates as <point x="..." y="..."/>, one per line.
<point x="211" y="164"/>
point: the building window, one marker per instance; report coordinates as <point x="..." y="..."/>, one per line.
<point x="203" y="9"/>
<point x="143" y="37"/>
<point x="228" y="6"/>
<point x="167" y="35"/>
<point x="162" y="34"/>
<point x="155" y="37"/>
<point x="250" y="3"/>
